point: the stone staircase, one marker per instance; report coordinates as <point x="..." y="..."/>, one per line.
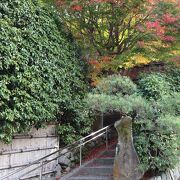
<point x="100" y="168"/>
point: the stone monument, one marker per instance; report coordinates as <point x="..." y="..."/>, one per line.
<point x="126" y="159"/>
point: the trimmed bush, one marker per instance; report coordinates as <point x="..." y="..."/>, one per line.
<point x="173" y="74"/>
<point x="114" y="84"/>
<point x="157" y="137"/>
<point x="41" y="76"/>
<point x="154" y="86"/>
<point x="169" y="104"/>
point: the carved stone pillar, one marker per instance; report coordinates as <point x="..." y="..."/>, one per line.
<point x="126" y="159"/>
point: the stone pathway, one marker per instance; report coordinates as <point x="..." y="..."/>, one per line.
<point x="100" y="168"/>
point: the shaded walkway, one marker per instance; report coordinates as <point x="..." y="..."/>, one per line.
<point x="100" y="168"/>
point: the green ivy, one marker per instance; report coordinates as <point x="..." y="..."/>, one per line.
<point x="41" y="75"/>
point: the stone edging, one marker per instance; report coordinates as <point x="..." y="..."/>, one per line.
<point x="169" y="175"/>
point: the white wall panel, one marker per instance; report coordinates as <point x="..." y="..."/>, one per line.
<point x="24" y="150"/>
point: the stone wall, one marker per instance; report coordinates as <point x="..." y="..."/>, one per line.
<point x="169" y="175"/>
<point x="26" y="148"/>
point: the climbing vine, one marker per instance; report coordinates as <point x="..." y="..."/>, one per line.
<point x="41" y="76"/>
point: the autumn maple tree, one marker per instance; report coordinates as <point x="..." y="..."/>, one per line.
<point x="117" y="33"/>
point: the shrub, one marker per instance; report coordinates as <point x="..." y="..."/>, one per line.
<point x="154" y="86"/>
<point x="157" y="146"/>
<point x="41" y="76"/>
<point x="116" y="84"/>
<point x="75" y="123"/>
<point x="155" y="126"/>
<point x="169" y="104"/>
<point x="172" y="122"/>
<point x="157" y="143"/>
<point x="173" y="76"/>
<point x="157" y="136"/>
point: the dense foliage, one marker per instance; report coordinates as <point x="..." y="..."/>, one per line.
<point x="156" y="124"/>
<point x="154" y="86"/>
<point x="111" y="86"/>
<point x="112" y="27"/>
<point x="41" y="76"/>
<point x="174" y="78"/>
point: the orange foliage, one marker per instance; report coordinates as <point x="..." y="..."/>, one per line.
<point x="111" y="42"/>
<point x="76" y="7"/>
<point x="96" y="67"/>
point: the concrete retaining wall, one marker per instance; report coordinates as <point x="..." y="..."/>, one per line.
<point x="169" y="175"/>
<point x="26" y="148"/>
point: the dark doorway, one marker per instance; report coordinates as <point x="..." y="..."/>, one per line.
<point x="111" y="118"/>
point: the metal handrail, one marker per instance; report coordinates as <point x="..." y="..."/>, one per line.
<point x="80" y="143"/>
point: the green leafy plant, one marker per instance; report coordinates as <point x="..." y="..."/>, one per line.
<point x="75" y="123"/>
<point x="155" y="126"/>
<point x="173" y="73"/>
<point x="154" y="86"/>
<point x="169" y="104"/>
<point x="114" y="84"/>
<point x="157" y="143"/>
<point x="157" y="137"/>
<point x="41" y="75"/>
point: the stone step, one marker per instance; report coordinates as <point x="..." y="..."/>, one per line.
<point x="90" y="178"/>
<point x="112" y="146"/>
<point x="97" y="171"/>
<point x="102" y="162"/>
<point x="110" y="153"/>
<point x="100" y="168"/>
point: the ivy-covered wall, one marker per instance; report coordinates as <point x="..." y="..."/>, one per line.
<point x="41" y="75"/>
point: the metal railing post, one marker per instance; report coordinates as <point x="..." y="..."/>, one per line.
<point x="41" y="170"/>
<point x="106" y="138"/>
<point x="80" y="153"/>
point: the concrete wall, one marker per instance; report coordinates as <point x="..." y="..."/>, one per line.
<point x="26" y="148"/>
